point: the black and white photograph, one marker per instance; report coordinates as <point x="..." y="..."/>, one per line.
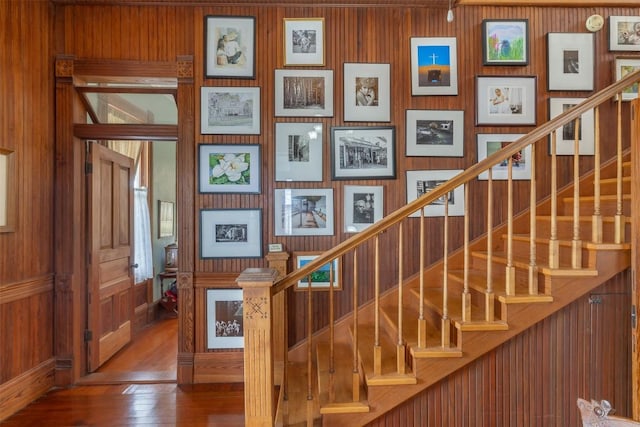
<point x="488" y="144"/>
<point x="303" y="41"/>
<point x="435" y="133"/>
<point x="570" y="61"/>
<point x="363" y="152"/>
<point x="421" y="182"/>
<point x="506" y="100"/>
<point x="304" y="93"/>
<point x="304" y="212"/>
<point x="230" y="47"/>
<point x="230" y="110"/>
<point x="367" y="92"/>
<point x="363" y="206"/>
<point x="566" y="135"/>
<point x="624" y="33"/>
<point x="225" y="326"/>
<point x="299" y="151"/>
<point x="230" y="233"/>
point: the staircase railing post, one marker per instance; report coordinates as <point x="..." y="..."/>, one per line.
<point x="278" y="262"/>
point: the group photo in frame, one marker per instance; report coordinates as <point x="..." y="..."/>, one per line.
<point x="366" y="152"/>
<point x="367" y="92"/>
<point x="304" y="93"/>
<point x="303" y="41"/>
<point x="623" y="66"/>
<point x="434" y="66"/>
<point x="624" y="33"/>
<point x="303" y="212"/>
<point x="520" y="161"/>
<point x="437" y="133"/>
<point x="566" y="135"/>
<point x="230" y="46"/>
<point x="230" y="110"/>
<point x="299" y="151"/>
<point x="230" y="233"/>
<point x="229" y="168"/>
<point x="321" y="279"/>
<point x="363" y="206"/>
<point x="225" y="325"/>
<point x="570" y="61"/>
<point x="505" y="41"/>
<point x="506" y="100"/>
<point x="421" y="182"/>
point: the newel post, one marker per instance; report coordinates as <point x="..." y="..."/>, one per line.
<point x="259" y="409"/>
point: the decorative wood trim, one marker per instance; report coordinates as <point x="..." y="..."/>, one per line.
<point x="635" y="256"/>
<point x="19" y="391"/>
<point x="433" y="4"/>
<point x="126" y="131"/>
<point x="567" y="3"/>
<point x="218" y="367"/>
<point x="19" y="290"/>
<point x="215" y="280"/>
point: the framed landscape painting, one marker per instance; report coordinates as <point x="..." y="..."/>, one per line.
<point x="229" y="168"/>
<point x="434" y="66"/>
<point x="505" y="41"/>
<point x="304" y="93"/>
<point x="230" y="46"/>
<point x="230" y="110"/>
<point x="321" y="279"/>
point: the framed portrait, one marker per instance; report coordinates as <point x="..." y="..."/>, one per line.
<point x="624" y="33"/>
<point x="367" y="92"/>
<point x="623" y="66"/>
<point x="434" y="66"/>
<point x="435" y="133"/>
<point x="363" y="205"/>
<point x="303" y="212"/>
<point x="299" y="149"/>
<point x="505" y="41"/>
<point x="230" y="110"/>
<point x="303" y="41"/>
<point x="304" y="93"/>
<point x="566" y="135"/>
<point x="225" y="326"/>
<point x="420" y="182"/>
<point x="363" y="152"/>
<point x="505" y="100"/>
<point x="8" y="190"/>
<point x="322" y="278"/>
<point x="229" y="168"/>
<point x="166" y="215"/>
<point x="570" y="61"/>
<point x="230" y="233"/>
<point x="230" y="47"/>
<point x="520" y="162"/>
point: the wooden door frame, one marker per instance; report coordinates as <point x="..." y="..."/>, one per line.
<point x="635" y="255"/>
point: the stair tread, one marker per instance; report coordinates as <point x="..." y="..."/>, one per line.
<point x="543" y="268"/>
<point x="409" y="328"/>
<point x="335" y="391"/>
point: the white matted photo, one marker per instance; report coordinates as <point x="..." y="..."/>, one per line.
<point x="363" y="206"/>
<point x="303" y="212"/>
<point x="303" y="41"/>
<point x="488" y="144"/>
<point x="230" y="233"/>
<point x="366" y="152"/>
<point x="367" y="92"/>
<point x="506" y="100"/>
<point x="566" y="135"/>
<point x="225" y="325"/>
<point x="625" y="65"/>
<point x="570" y="61"/>
<point x="421" y="182"/>
<point x="299" y="148"/>
<point x="434" y="66"/>
<point x="229" y="168"/>
<point x="624" y="33"/>
<point x="304" y="93"/>
<point x="230" y="110"/>
<point x="435" y="133"/>
<point x="230" y="46"/>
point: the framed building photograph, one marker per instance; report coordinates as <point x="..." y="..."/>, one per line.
<point x="434" y="66"/>
<point x="520" y="162"/>
<point x="303" y="41"/>
<point x="298" y="153"/>
<point x="437" y="133"/>
<point x="505" y="41"/>
<point x="367" y="92"/>
<point x="304" y="93"/>
<point x="624" y="33"/>
<point x="166" y="214"/>
<point x="363" y="206"/>
<point x="229" y="168"/>
<point x="225" y="326"/>
<point x="363" y="152"/>
<point x="420" y="182"/>
<point x="566" y="135"/>
<point x="506" y="100"/>
<point x="321" y="279"/>
<point x="230" y="47"/>
<point x="570" y="61"/>
<point x="623" y="66"/>
<point x="230" y="233"/>
<point x="230" y="110"/>
<point x="303" y="212"/>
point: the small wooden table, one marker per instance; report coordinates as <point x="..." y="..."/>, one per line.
<point x="164" y="301"/>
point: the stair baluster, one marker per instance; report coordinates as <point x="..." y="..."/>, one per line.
<point x="576" y="241"/>
<point x="489" y="296"/>
<point x="466" y="296"/>
<point x="445" y="328"/>
<point x="510" y="274"/>
<point x="533" y="202"/>
<point x="377" y="350"/>
<point x="619" y="219"/>
<point x="554" y="245"/>
<point x="422" y="322"/>
<point x="596" y="222"/>
<point x="400" y="349"/>
<point x="355" y="378"/>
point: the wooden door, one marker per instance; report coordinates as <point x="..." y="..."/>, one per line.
<point x="110" y="278"/>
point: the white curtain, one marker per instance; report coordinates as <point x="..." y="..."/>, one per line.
<point x="142" y="239"/>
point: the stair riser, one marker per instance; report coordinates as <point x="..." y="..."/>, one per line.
<point x="565" y="229"/>
<point x="608" y="208"/>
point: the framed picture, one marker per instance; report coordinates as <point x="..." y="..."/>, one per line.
<point x="229" y="168"/>
<point x="225" y="327"/>
<point x="303" y="41"/>
<point x="566" y="135"/>
<point x="367" y="92"/>
<point x="304" y="212"/>
<point x="505" y="41"/>
<point x="434" y="66"/>
<point x="624" y="33"/>
<point x="230" y="46"/>
<point x="520" y="162"/>
<point x="363" y="205"/>
<point x="304" y="93"/>
<point x="321" y="279"/>
<point x="505" y="100"/>
<point x="230" y="110"/>
<point x="8" y="190"/>
<point x="363" y="152"/>
<point x="570" y="61"/>
<point x="435" y="133"/>
<point x="231" y="233"/>
<point x="420" y="182"/>
<point x="623" y="66"/>
<point x="298" y="151"/>
<point x="166" y="212"/>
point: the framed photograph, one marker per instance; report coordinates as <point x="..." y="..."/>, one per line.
<point x="304" y="212"/>
<point x="434" y="66"/>
<point x="521" y="161"/>
<point x="570" y="61"/>
<point x="505" y="41"/>
<point x="505" y="100"/>
<point x="624" y="33"/>
<point x="8" y="190"/>
<point x="435" y="133"/>
<point x="230" y="233"/>
<point x="623" y="66"/>
<point x="367" y="92"/>
<point x="420" y="182"/>
<point x="230" y="47"/>
<point x="230" y="110"/>
<point x="303" y="41"/>
<point x="566" y="135"/>
<point x="166" y="212"/>
<point x="363" y="205"/>
<point x="321" y="279"/>
<point x="225" y="327"/>
<point x="229" y="168"/>
<point x="299" y="151"/>
<point x="304" y="93"/>
<point x="363" y="152"/>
